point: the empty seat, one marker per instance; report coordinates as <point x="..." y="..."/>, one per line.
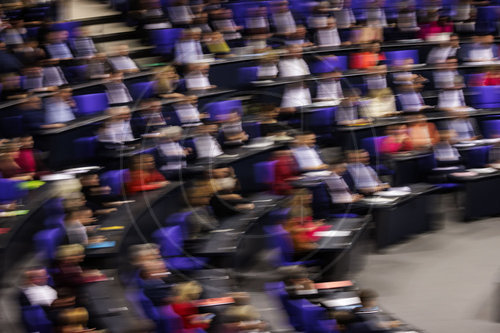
<point x="491" y="128"/>
<point x="142" y="90"/>
<point x="91" y="103"/>
<point x="329" y="64"/>
<point x="164" y="40"/>
<point x="485" y="97"/>
<point x="47" y="241"/>
<point x="116" y="180"/>
<point x="247" y="75"/>
<point x="218" y="111"/>
<point x="393" y="57"/>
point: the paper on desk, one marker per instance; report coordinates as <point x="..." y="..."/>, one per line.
<point x="332" y="303"/>
<point x="332" y="233"/>
<point x="323" y="173"/>
<point x="379" y="200"/>
<point x="482" y="170"/>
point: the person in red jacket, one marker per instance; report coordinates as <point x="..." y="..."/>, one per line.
<point x="143" y="175"/>
<point x="285" y="170"/>
<point x="397" y="140"/>
<point x="184" y="305"/>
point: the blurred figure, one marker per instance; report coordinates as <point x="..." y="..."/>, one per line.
<point x="481" y="50"/>
<point x="464" y="127"/>
<point x="410" y="99"/>
<point x="350" y="109"/>
<point x="180" y="13"/>
<point x="423" y="134"/>
<point x="256" y="22"/>
<point x="74" y="321"/>
<point x="35" y="290"/>
<point x="53" y="75"/>
<point x="225" y="201"/>
<point x="201" y="220"/>
<point x="196" y="77"/>
<point x="82" y="45"/>
<point x="172" y="153"/>
<point x="98" y="67"/>
<point x="381" y="103"/>
<point x="337" y="187"/>
<point x="232" y="129"/>
<point x="282" y="18"/>
<point x="154" y="278"/>
<point x="444" y="153"/>
<point x="397" y="140"/>
<point x="295" y="96"/>
<point x="143" y="175"/>
<point x="437" y="27"/>
<point x="369" y="56"/>
<point x="241" y="316"/>
<point x="328" y="35"/>
<point x="116" y="130"/>
<point x="183" y="304"/>
<point x="29" y="159"/>
<point x="305" y="153"/>
<point x="205" y="143"/>
<point x="11" y="87"/>
<point x="365" y="179"/>
<point x="223" y="22"/>
<point x="148" y="119"/>
<point x="59" y="108"/>
<point x="329" y="87"/>
<point x="298" y="37"/>
<point x="188" y="47"/>
<point x="9" y="167"/>
<point x="120" y="60"/>
<point x="57" y="45"/>
<point x="217" y="45"/>
<point x="297" y="283"/>
<point x="285" y="171"/>
<point x="444" y="50"/>
<point x="166" y="83"/>
<point x="292" y="64"/>
<point x="117" y="91"/>
<point x="267" y="67"/>
<point x="186" y="110"/>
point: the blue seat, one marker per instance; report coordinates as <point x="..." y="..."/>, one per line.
<point x="10" y="190"/>
<point x="85" y="148"/>
<point x="179" y="219"/>
<point x="320" y="122"/>
<point x="35" y="319"/>
<point x="91" y="103"/>
<point x="46" y="242"/>
<point x="12" y="127"/>
<point x="247" y="75"/>
<point x="485" y="97"/>
<point x="164" y="40"/>
<point x="491" y="128"/>
<point x="315" y="319"/>
<point x="372" y="146"/>
<point x="321" y="201"/>
<point x="277" y="216"/>
<point x="329" y="64"/>
<point x="486" y="19"/>
<point x="53" y="207"/>
<point x="264" y="172"/>
<point x="76" y="74"/>
<point x="142" y="90"/>
<point x="220" y="110"/>
<point x="69" y="26"/>
<point x="394" y="56"/>
<point x="54" y="221"/>
<point x="171" y="245"/>
<point x="476" y="157"/>
<point x="116" y="180"/>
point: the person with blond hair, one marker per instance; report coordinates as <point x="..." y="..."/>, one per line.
<point x="184" y="296"/>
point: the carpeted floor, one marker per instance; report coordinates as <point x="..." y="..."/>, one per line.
<point x="445" y="281"/>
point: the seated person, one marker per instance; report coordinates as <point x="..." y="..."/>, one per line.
<point x="285" y="170"/>
<point x="201" y="220"/>
<point x="269" y="125"/>
<point x="196" y="77"/>
<point x="305" y="154"/>
<point x="298" y="37"/>
<point x="120" y="60"/>
<point x="368" y="313"/>
<point x="296" y="95"/>
<point x="369" y="57"/>
<point x="98" y="67"/>
<point x="232" y="130"/>
<point x="223" y="22"/>
<point x="143" y="175"/>
<point x="148" y="119"/>
<point x="172" y="154"/>
<point x="300" y="224"/>
<point x="205" y="143"/>
<point x="11" y="87"/>
<point x="403" y="73"/>
<point x="267" y="67"/>
<point x="59" y="108"/>
<point x="188" y="47"/>
<point x="376" y="78"/>
<point x="364" y="177"/>
<point x="328" y="35"/>
<point x="446" y="75"/>
<point x="380" y="103"/>
<point x="35" y="289"/>
<point x="29" y="159"/>
<point x="465" y="128"/>
<point x="82" y="44"/>
<point x="53" y="75"/>
<point x="292" y="64"/>
<point x="225" y="201"/>
<point x="482" y="49"/>
<point x="397" y="140"/>
<point x="116" y="130"/>
<point x="282" y="19"/>
<point x="452" y="100"/>
<point x="186" y="110"/>
<point x="154" y="278"/>
<point x="329" y="87"/>
<point x="9" y="167"/>
<point x="183" y="304"/>
<point x="297" y="283"/>
<point x="350" y="110"/>
<point x="444" y="153"/>
<point x="410" y="99"/>
<point x="73" y="320"/>
<point x="337" y="187"/>
<point x="180" y="13"/>
<point x="444" y="50"/>
<point x="117" y="91"/>
<point x="241" y="316"/>
<point x="166" y="83"/>
<point x="56" y="46"/>
<point x="98" y="197"/>
<point x="77" y="226"/>
<point x="33" y="80"/>
<point x="423" y="134"/>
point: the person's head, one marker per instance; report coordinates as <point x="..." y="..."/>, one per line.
<point x="294" y="276"/>
<point x="223" y="179"/>
<point x="187" y="291"/>
<point x="90" y="179"/>
<point x="306" y="139"/>
<point x="70" y="254"/>
<point x="358" y="156"/>
<point x="121" y="113"/>
<point x="140" y="254"/>
<point x="26" y="142"/>
<point x="153" y="268"/>
<point x="454" y="41"/>
<point x="209" y="129"/>
<point x="151" y="106"/>
<point x="167" y="73"/>
<point x="295" y="50"/>
<point x="144" y="162"/>
<point x="116" y="77"/>
<point x="368" y="298"/>
<point x="338" y="168"/>
<point x="73" y="319"/>
<point x="36" y="276"/>
<point x="171" y="133"/>
<point x="32" y="103"/>
<point x="74" y="201"/>
<point x="122" y="50"/>
<point x="9" y="150"/>
<point x="233" y="116"/>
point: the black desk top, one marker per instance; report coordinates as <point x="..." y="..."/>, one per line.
<point x="355" y="227"/>
<point x="478" y="177"/>
<point x="417" y="189"/>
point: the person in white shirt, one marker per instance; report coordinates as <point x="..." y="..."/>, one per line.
<point x="365" y="178"/>
<point x="117" y="91"/>
<point x="172" y="153"/>
<point x="35" y="290"/>
<point x="256" y="21"/>
<point x="187" y="111"/>
<point x="282" y="19"/>
<point x="482" y="50"/>
<point x="59" y="108"/>
<point x="180" y="13"/>
<point x="443" y="51"/>
<point x="410" y="99"/>
<point x="296" y="95"/>
<point x="117" y="129"/>
<point x="196" y="77"/>
<point x="305" y="154"/>
<point x="120" y="61"/>
<point x="205" y="143"/>
<point x="328" y="35"/>
<point x="292" y="64"/>
<point x="267" y="67"/>
<point x="329" y="87"/>
<point x="444" y="153"/>
<point x="188" y="48"/>
<point x="222" y="21"/>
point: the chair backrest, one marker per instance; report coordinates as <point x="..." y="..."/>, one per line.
<point x="69" y="26"/>
<point x="142" y="90"/>
<point x="53" y="206"/>
<point x="485" y="97"/>
<point x="115" y="179"/>
<point x="85" y="148"/>
<point x="76" y="74"/>
<point x="486" y="18"/>
<point x="247" y="75"/>
<point x="394" y="56"/>
<point x="252" y="128"/>
<point x="372" y="145"/>
<point x="491" y="128"/>
<point x="12" y="127"/>
<point x="165" y="39"/>
<point x="476" y="157"/>
<point x="319" y="120"/>
<point x="179" y="219"/>
<point x="91" y="103"/>
<point x="47" y="241"/>
<point x="54" y="221"/>
<point x="264" y="172"/>
<point x="220" y="110"/>
<point x="280" y="238"/>
<point x="170" y="241"/>
<point x="35" y="319"/>
<point x="10" y="190"/>
<point x="321" y="201"/>
<point x="329" y="64"/>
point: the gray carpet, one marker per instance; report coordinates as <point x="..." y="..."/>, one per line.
<point x="445" y="281"/>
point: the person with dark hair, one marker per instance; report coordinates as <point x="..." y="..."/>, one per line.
<point x="225" y="201"/>
<point x="143" y="175"/>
